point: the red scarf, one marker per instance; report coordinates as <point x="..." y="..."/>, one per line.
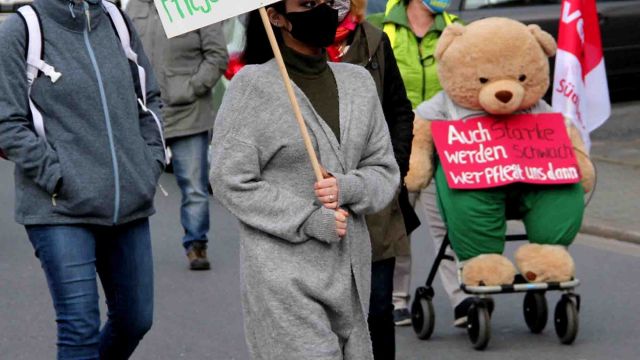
<point x="235" y="64"/>
<point x="345" y="29"/>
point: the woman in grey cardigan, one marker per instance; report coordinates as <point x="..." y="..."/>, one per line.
<point x="306" y="281"/>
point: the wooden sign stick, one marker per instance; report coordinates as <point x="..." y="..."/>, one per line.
<point x="292" y="97"/>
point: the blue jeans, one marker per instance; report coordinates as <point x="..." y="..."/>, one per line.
<point x="381" y="326"/>
<point x="191" y="168"/>
<point x="71" y="255"/>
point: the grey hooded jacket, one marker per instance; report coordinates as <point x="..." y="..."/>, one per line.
<point x="102" y="155"/>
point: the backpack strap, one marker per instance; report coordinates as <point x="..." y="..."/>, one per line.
<point x="35" y="62"/>
<point x="122" y="30"/>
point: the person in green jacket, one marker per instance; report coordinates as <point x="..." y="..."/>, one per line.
<point x="414" y="27"/>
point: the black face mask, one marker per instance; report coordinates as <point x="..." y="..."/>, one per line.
<point x="316" y="27"/>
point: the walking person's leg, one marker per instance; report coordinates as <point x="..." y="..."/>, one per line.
<point x="401" y="284"/>
<point x="448" y="269"/>
<point x="125" y="266"/>
<point x="381" y="326"/>
<point x="190" y="166"/>
<point x="67" y="255"/>
<point x="402" y="281"/>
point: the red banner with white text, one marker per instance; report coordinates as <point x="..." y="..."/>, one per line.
<point x="580" y="89"/>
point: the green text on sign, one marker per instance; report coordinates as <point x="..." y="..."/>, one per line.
<point x="181" y="16"/>
<point x="186" y="8"/>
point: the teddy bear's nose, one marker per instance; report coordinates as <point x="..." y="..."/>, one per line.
<point x="504" y="96"/>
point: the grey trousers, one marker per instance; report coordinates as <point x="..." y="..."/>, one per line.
<point x="425" y="204"/>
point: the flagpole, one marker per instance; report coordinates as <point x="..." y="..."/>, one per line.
<point x="292" y="97"/>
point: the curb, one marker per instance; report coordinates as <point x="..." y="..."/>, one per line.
<point x="614" y="161"/>
<point x="609" y="232"/>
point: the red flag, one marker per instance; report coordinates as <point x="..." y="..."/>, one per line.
<point x="580" y="89"/>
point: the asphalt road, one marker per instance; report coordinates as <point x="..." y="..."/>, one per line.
<point x="198" y="314"/>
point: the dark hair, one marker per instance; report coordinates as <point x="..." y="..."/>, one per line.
<point x="257" y="49"/>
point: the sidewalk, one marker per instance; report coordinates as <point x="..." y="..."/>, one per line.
<point x="614" y="211"/>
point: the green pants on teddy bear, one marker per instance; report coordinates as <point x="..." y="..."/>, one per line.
<point x="477" y="219"/>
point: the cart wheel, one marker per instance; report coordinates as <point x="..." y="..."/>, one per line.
<point x="479" y="325"/>
<point x="490" y="304"/>
<point x="535" y="311"/>
<point x="423" y="318"/>
<point x="566" y="320"/>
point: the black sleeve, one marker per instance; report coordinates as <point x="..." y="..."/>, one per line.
<point x="397" y="108"/>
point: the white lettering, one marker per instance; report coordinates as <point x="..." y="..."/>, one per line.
<point x="504" y="173"/>
<point x="535" y="173"/>
<point x="479" y="135"/>
<point x="480" y="156"/>
<point x="569" y="173"/>
<point x="580" y="28"/>
<point x="466" y="177"/>
<point x="568" y="16"/>
<point x="454" y="135"/>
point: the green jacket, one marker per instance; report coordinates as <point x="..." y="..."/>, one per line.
<point x="415" y="57"/>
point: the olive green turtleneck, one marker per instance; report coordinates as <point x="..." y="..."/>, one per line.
<point x="314" y="77"/>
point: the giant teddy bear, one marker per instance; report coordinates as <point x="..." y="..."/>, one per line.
<point x="499" y="66"/>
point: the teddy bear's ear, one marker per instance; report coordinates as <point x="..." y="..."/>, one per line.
<point x="450" y="33"/>
<point x="545" y="40"/>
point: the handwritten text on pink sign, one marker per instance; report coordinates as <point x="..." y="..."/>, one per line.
<point x="486" y="152"/>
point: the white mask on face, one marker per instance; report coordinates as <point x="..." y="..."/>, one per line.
<point x="343" y="7"/>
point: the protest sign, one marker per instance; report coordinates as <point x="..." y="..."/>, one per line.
<point x="487" y="152"/>
<point x="181" y="16"/>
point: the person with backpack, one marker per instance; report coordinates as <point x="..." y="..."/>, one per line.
<point x="77" y="117"/>
<point x="187" y="68"/>
<point x="359" y="42"/>
<point x="414" y="27"/>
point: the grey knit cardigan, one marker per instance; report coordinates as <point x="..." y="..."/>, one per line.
<point x="297" y="275"/>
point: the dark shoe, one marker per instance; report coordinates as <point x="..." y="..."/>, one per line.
<point x="197" y="255"/>
<point x="401" y="317"/>
<point x="460" y="312"/>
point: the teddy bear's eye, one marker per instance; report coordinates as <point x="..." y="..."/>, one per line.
<point x="483" y="80"/>
<point x="522" y="77"/>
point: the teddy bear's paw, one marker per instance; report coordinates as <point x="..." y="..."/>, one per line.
<point x="421" y="159"/>
<point x="545" y="263"/>
<point x="488" y="270"/>
<point x="415" y="181"/>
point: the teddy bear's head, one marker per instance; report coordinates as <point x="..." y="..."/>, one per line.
<point x="495" y="64"/>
